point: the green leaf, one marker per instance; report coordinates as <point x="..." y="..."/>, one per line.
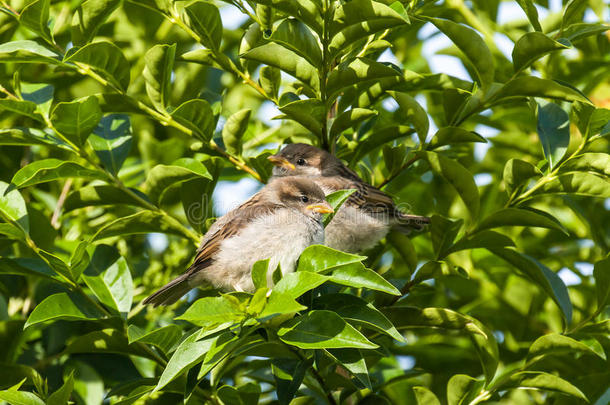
<point x="15" y="397"/>
<point x="111" y="141"/>
<point x="405" y="249"/>
<point x="542" y="276"/>
<point x="531" y="47"/>
<point x="197" y="116"/>
<point x="483" y="239"/>
<point x="26" y="51"/>
<point x="414" y="113"/>
<point x="319" y="258"/>
<point x="360" y="18"/>
<point x="77" y="119"/>
<point x="295" y="36"/>
<point x="322" y="330"/>
<point x="139" y="223"/>
<point x="531" y="12"/>
<point x="225" y="343"/>
<point x="106" y="59"/>
<point x="13" y="208"/>
<point x="211" y="310"/>
<point x="309" y="113"/>
<point x="521" y="217"/>
<point x="246" y="394"/>
<point x="288" y="375"/>
<point x="357" y="311"/>
<point x="357" y="71"/>
<point x="349" y="119"/>
<point x="574" y="11"/>
<point x="596" y="163"/>
<point x="45" y="170"/>
<point x="308" y="11"/>
<point x="90" y="196"/>
<point x="530" y="86"/>
<point x="88" y="18"/>
<point x="162" y="177"/>
<point x="459" y="177"/>
<point x="276" y="55"/>
<point x="35" y="17"/>
<point x="234" y="130"/>
<point x="62" y="306"/>
<point x="546" y="382"/>
<point x="39" y="93"/>
<point x="601" y="272"/>
<point x="108" y="276"/>
<point x="106" y="341"/>
<point x="453" y="135"/>
<point x="159" y="63"/>
<point x="554" y="132"/>
<point x="517" y="172"/>
<point x="473" y="47"/>
<point x="357" y="276"/>
<point x="270" y="79"/>
<point x="21" y="107"/>
<point x="297" y="284"/>
<point x="204" y="19"/>
<point x="259" y="273"/>
<point x="554" y="344"/>
<point x="280" y="304"/>
<point x="353" y="361"/>
<point x="578" y="183"/>
<point x="190" y="352"/>
<point x="336" y="200"/>
<point x="461" y="389"/>
<point x="579" y="31"/>
<point x="164" y="338"/>
<point x="62" y="395"/>
<point x="424" y="396"/>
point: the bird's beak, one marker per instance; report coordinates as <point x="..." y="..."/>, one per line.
<point x="281" y="162"/>
<point x="322" y="208"/>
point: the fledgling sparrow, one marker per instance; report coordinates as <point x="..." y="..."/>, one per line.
<point x="367" y="215"/>
<point x="277" y="223"/>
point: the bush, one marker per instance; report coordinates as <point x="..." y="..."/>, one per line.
<point x="119" y="119"/>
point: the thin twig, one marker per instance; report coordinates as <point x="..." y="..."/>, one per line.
<point x="60" y="203"/>
<point x="403" y="291"/>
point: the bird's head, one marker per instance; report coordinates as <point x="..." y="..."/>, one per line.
<point x="299" y="159"/>
<point x="301" y="194"/>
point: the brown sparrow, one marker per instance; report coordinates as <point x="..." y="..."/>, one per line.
<point x="367" y="215"/>
<point x="277" y="223"/>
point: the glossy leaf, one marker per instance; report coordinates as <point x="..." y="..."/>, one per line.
<point x="35" y="17"/>
<point x="139" y="223"/>
<point x="517" y="172"/>
<point x="336" y="199"/>
<point x="353" y="361"/>
<point x="554" y="132"/>
<point x="234" y="130"/>
<point x="62" y="306"/>
<point x="90" y="196"/>
<point x="52" y="169"/>
<point x="521" y="217"/>
<point x="210" y="310"/>
<point x="473" y="47"/>
<point x="319" y="258"/>
<point x="542" y="276"/>
<point x="295" y="36"/>
<point x="111" y="141"/>
<point x="596" y="163"/>
<point x="601" y="272"/>
<point x="26" y="51"/>
<point x="108" y="276"/>
<point x="197" y="116"/>
<point x="297" y="284"/>
<point x="89" y="16"/>
<point x="62" y="395"/>
<point x="309" y="113"/>
<point x="162" y="177"/>
<point x="555" y="344"/>
<point x="461" y="389"/>
<point x="13" y="208"/>
<point x="164" y="338"/>
<point x="349" y="119"/>
<point x="205" y="20"/>
<point x="424" y="396"/>
<point x="357" y="71"/>
<point x="104" y="58"/>
<point x="77" y="119"/>
<point x="531" y="12"/>
<point x="157" y="73"/>
<point x="358" y="276"/>
<point x="454" y="135"/>
<point x="546" y="382"/>
<point x="322" y="330"/>
<point x="414" y="113"/>
<point x="579" y="183"/>
<point x="459" y="177"/>
<point x="530" y="86"/>
<point x="531" y="47"/>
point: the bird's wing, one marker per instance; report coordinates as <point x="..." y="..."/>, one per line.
<point x="229" y="225"/>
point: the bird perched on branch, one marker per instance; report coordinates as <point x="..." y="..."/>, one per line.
<point x="278" y="223"/>
<point x="365" y="217"/>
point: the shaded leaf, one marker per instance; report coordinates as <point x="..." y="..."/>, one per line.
<point x="162" y="177"/>
<point x="111" y="141"/>
<point x="159" y="63"/>
<point x="46" y="170"/>
<point x="164" y="338"/>
<point x="35" y="17"/>
<point x="197" y="116"/>
<point x="336" y="200"/>
<point x="90" y="196"/>
<point x="141" y="222"/>
<point x="554" y="132"/>
<point x="26" y="51"/>
<point x="62" y="306"/>
<point x="88" y="18"/>
<point x="414" y="113"/>
<point x="295" y="36"/>
<point x="104" y="58"/>
<point x="521" y="217"/>
<point x="205" y="20"/>
<point x="77" y="119"/>
<point x="13" y="208"/>
<point x="531" y="47"/>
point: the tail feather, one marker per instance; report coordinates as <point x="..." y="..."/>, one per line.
<point x="171" y="292"/>
<point x="406" y="223"/>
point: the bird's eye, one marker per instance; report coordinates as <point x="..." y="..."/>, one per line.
<point x="301" y="162"/>
<point x="304" y="198"/>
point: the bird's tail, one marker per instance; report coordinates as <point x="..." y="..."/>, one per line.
<point x="407" y="223"/>
<point x="170" y="292"/>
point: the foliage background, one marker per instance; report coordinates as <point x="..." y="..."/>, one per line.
<point x="119" y="119"/>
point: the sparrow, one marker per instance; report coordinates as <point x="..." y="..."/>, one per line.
<point x="277" y="223"/>
<point x="366" y="216"/>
